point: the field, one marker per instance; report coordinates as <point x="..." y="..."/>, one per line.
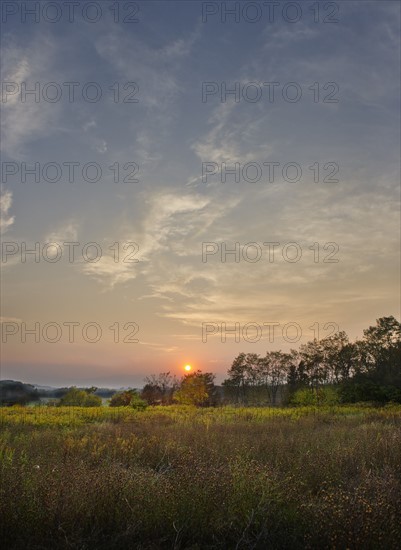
<point x="185" y="478"/>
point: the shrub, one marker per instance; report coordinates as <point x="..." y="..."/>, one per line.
<point x="79" y="398"/>
<point x="315" y="397"/>
<point x="368" y="391"/>
<point x="138" y="403"/>
<point x="121" y="399"/>
<point x="128" y="398"/>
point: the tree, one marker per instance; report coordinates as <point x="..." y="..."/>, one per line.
<point x="79" y="398"/>
<point x="272" y="372"/>
<point x="378" y="367"/>
<point x="365" y="370"/>
<point x="332" y="360"/>
<point x="381" y="347"/>
<point x="159" y="389"/>
<point x="197" y="389"/>
<point x="339" y="357"/>
<point x="243" y="374"/>
<point x="312" y="359"/>
<point x="297" y="377"/>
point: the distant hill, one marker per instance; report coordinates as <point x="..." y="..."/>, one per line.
<point x="43" y="388"/>
<point x="50" y="391"/>
<point x="13" y="392"/>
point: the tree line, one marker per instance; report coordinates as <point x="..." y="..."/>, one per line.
<point x="333" y="369"/>
<point x="368" y="369"/>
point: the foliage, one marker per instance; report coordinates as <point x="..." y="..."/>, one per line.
<point x="128" y="398"/>
<point x="138" y="403"/>
<point x="121" y="399"/>
<point x="80" y="398"/>
<point x="196" y="388"/>
<point x="250" y="370"/>
<point x="159" y="389"/>
<point x="378" y="369"/>
<point x="327" y="395"/>
<point x="363" y="389"/>
<point x="365" y="370"/>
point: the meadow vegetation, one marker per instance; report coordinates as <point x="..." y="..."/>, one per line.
<point x="185" y="464"/>
<point x="198" y="478"/>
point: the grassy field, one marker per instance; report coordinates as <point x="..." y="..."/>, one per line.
<point x="183" y="478"/>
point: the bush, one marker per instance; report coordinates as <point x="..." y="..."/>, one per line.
<point x="92" y="400"/>
<point x="368" y="391"/>
<point x="315" y="397"/>
<point x="128" y="398"/>
<point x="138" y="403"/>
<point x="121" y="399"/>
<point x="79" y="398"/>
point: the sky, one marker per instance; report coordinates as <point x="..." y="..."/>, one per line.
<point x="169" y="134"/>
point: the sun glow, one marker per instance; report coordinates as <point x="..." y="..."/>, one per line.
<point x="187" y="368"/>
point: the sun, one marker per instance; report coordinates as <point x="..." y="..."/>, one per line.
<point x="187" y="368"/>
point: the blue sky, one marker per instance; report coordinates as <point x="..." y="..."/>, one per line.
<point x="170" y="212"/>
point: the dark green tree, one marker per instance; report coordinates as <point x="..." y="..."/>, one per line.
<point x="378" y="365"/>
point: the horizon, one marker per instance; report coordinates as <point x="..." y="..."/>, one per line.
<point x="179" y="373"/>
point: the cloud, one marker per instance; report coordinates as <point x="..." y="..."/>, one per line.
<point x="110" y="273"/>
<point x="170" y="231"/>
<point x="88" y="125"/>
<point x="160" y="224"/>
<point x="101" y="146"/>
<point x="25" y="121"/>
<point x="6" y="199"/>
<point x="155" y="68"/>
<point x="232" y="136"/>
<point x="158" y="70"/>
<point x="10" y="320"/>
<point x="64" y="233"/>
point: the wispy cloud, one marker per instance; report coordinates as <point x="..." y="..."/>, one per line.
<point x="68" y="232"/>
<point x="25" y="121"/>
<point x="6" y="199"/>
<point x="10" y="320"/>
<point x="171" y="231"/>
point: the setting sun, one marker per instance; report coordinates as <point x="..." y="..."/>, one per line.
<point x="188" y="367"/>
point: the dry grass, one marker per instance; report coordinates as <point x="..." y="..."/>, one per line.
<point x="184" y="478"/>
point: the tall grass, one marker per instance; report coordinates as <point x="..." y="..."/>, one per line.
<point x="177" y="477"/>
